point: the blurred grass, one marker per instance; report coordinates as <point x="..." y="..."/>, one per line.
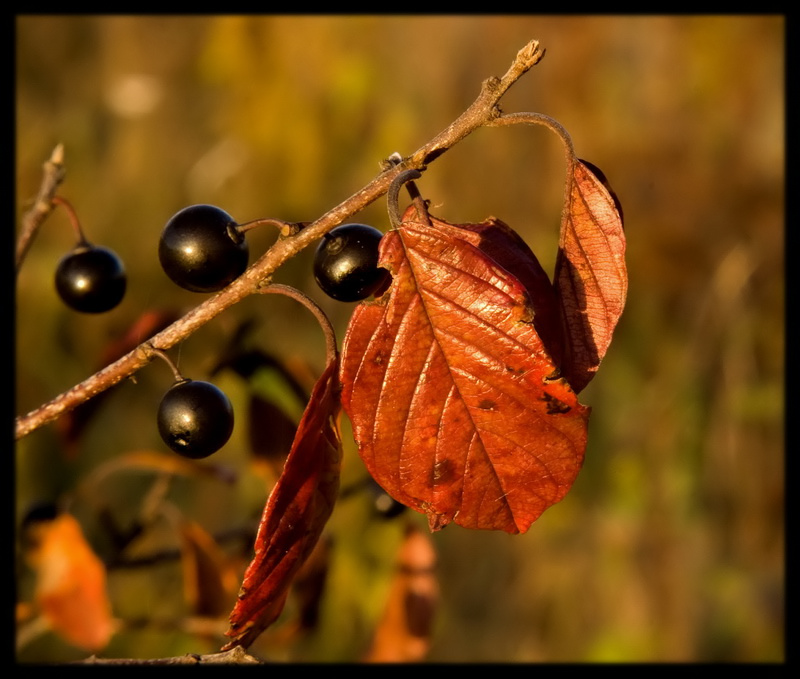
<point x="670" y="547"/>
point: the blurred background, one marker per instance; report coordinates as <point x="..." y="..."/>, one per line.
<point x="670" y="546"/>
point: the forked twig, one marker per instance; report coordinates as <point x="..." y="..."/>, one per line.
<point x="481" y="112"/>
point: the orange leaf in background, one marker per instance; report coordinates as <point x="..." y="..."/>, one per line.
<point x="404" y="631"/>
<point x="591" y="278"/>
<point x="456" y="405"/>
<point x="295" y="514"/>
<point x="71" y="584"/>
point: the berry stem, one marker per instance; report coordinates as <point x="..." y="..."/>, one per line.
<point x="530" y="118"/>
<point x="413" y="192"/>
<point x="163" y="356"/>
<point x="331" y="350"/>
<point x="392" y="195"/>
<point x="480" y="113"/>
<point x="73" y="219"/>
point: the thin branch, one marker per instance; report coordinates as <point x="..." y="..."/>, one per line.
<point x="43" y="205"/>
<point x="481" y="112"/>
<point x="236" y="656"/>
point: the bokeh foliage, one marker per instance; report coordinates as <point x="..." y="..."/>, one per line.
<point x="670" y="547"/>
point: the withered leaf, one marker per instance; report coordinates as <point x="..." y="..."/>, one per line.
<point x="295" y="514"/>
<point x="450" y="388"/>
<point x="591" y="278"/>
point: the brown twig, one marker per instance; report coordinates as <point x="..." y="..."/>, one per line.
<point x="236" y="656"/>
<point x="43" y="205"/>
<point x="481" y="112"/>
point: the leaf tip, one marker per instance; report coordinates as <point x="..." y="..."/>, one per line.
<point x="437" y="521"/>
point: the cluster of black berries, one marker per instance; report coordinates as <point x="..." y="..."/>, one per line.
<point x="201" y="249"/>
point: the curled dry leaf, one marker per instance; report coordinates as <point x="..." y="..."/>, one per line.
<point x="591" y="278"/>
<point x="71" y="584"/>
<point x="295" y="514"/>
<point x="457" y="407"/>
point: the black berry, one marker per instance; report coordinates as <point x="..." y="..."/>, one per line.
<point x="201" y="250"/>
<point x="195" y="419"/>
<point x="346" y="263"/>
<point x="91" y="279"/>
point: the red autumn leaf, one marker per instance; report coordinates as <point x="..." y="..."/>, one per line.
<point x="591" y="278"/>
<point x="71" y="584"/>
<point x="505" y="246"/>
<point x="456" y="405"/>
<point x="308" y="589"/>
<point x="295" y="514"/>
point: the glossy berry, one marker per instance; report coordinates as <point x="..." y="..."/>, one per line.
<point x="91" y="279"/>
<point x="195" y="419"/>
<point x="346" y="263"/>
<point x="199" y="251"/>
